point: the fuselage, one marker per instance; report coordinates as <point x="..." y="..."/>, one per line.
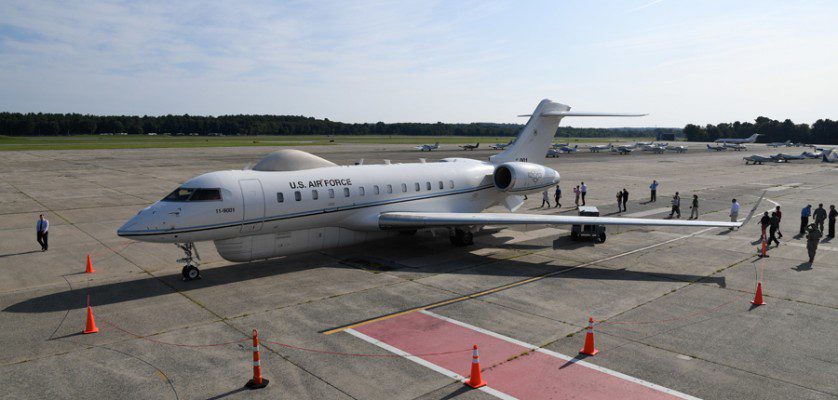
<point x="240" y="203"/>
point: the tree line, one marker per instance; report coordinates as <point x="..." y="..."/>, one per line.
<point x="43" y="124"/>
<point x="823" y="131"/>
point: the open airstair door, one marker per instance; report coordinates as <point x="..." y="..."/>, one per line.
<point x="253" y="205"/>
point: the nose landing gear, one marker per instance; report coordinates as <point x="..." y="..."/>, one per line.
<point x="190" y="270"/>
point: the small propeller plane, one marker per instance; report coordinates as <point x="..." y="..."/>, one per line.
<point x="500" y="146"/>
<point x="718" y="147"/>
<point x="678" y="149"/>
<point x="470" y="146"/>
<point x="597" y="149"/>
<point x="292" y="201"/>
<point x="736" y="146"/>
<point x="427" y="147"/>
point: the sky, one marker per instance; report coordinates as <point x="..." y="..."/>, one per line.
<point x="424" y="61"/>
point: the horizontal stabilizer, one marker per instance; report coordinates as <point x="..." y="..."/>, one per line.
<point x="583" y="114"/>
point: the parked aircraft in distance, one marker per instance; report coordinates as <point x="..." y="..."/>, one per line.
<point x="470" y="146"/>
<point x="567" y="149"/>
<point x="500" y="146"/>
<point x="597" y="149"/>
<point x="624" y="149"/>
<point x="678" y="149"/>
<point x="292" y="201"/>
<point x="812" y="154"/>
<point x="787" y="143"/>
<point x="553" y="153"/>
<point x="756" y="159"/>
<point x="719" y="147"/>
<point x="749" y="139"/>
<point x="427" y="147"/>
<point x="830" y="155"/>
<point x="643" y="143"/>
<point x="657" y="148"/>
<point x="787" y="157"/>
<point x="559" y="145"/>
<point x="736" y="146"/>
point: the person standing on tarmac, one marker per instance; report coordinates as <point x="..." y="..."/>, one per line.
<point x="813" y="237"/>
<point x="764" y="222"/>
<point x="694" y="207"/>
<point x="832" y="215"/>
<point x="558" y="196"/>
<point x="42" y="228"/>
<point x="676" y="206"/>
<point x="619" y="200"/>
<point x="820" y="216"/>
<point x="584" y="191"/>
<point x="734" y="212"/>
<point x="779" y="219"/>
<point x="774" y="226"/>
<point x="625" y="199"/>
<point x="804" y="218"/>
<point x="576" y="193"/>
<point x="545" y="198"/>
<point x="654" y="189"/>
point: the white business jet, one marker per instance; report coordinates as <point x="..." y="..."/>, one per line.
<point x="749" y="139"/>
<point x="292" y="201"/>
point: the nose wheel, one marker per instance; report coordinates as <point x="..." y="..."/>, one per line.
<point x="190" y="270"/>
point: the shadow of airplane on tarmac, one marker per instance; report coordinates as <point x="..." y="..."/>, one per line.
<point x="462" y="263"/>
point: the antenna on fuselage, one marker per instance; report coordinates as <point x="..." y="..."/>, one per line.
<point x="422" y="160"/>
<point x="359" y="162"/>
<point x="387" y="162"/>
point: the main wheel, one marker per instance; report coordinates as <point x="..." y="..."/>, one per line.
<point x="190" y="272"/>
<point x="601" y="237"/>
<point x="468" y="238"/>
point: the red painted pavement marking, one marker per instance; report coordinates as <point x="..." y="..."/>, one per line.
<point x="532" y="376"/>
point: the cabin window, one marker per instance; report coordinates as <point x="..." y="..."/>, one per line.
<point x="361" y="190"/>
<point x="298" y="196"/>
<point x="375" y="190"/>
<point x="280" y="197"/>
<point x="404" y="188"/>
<point x="331" y="193"/>
<point x="389" y="189"/>
<point x="451" y="184"/>
<point x="441" y="185"/>
<point x="418" y="188"/>
<point x="427" y="185"/>
<point x="314" y="195"/>
<point x="345" y="192"/>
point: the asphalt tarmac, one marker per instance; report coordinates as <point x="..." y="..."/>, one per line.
<point x="396" y="319"/>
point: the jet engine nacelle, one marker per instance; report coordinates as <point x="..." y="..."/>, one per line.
<point x="523" y="177"/>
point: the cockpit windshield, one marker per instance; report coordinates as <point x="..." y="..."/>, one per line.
<point x="193" y="194"/>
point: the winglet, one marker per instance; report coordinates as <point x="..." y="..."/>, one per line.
<point x="753" y="210"/>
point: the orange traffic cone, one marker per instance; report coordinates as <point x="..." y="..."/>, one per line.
<point x="764" y="252"/>
<point x="476" y="379"/>
<point x="89" y="269"/>
<point x="257" y="382"/>
<point x="757" y="301"/>
<point x="90" y="326"/>
<point x="589" y="348"/>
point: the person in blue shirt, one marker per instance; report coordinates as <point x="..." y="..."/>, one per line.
<point x="654" y="189"/>
<point x="804" y="218"/>
<point x="43" y="232"/>
<point x="558" y="196"/>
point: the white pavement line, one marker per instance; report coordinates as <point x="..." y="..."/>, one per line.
<point x="648" y="212"/>
<point x="563" y="357"/>
<point x="427" y="364"/>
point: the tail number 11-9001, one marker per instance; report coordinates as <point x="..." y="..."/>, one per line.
<point x="225" y="210"/>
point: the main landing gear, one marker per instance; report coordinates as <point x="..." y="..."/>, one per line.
<point x="190" y="270"/>
<point x="461" y="237"/>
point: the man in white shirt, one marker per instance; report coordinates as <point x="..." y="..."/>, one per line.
<point x="43" y="232"/>
<point x="734" y="212"/>
<point x="584" y="192"/>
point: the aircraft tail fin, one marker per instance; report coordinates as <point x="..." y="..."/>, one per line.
<point x="532" y="142"/>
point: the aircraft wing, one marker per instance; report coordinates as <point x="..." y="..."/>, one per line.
<point x="395" y="220"/>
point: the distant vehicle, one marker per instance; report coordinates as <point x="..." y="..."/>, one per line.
<point x="106" y="134"/>
<point x="678" y="149"/>
<point x="215" y="134"/>
<point x="749" y="139"/>
<point x="427" y="147"/>
<point x="755" y="159"/>
<point x="787" y="143"/>
<point x="470" y="146"/>
<point x="500" y="146"/>
<point x="719" y="147"/>
<point x="736" y="146"/>
<point x="553" y="153"/>
<point x="597" y="149"/>
<point x="623" y="149"/>
<point x="568" y="149"/>
<point x="193" y="134"/>
<point x="150" y="134"/>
